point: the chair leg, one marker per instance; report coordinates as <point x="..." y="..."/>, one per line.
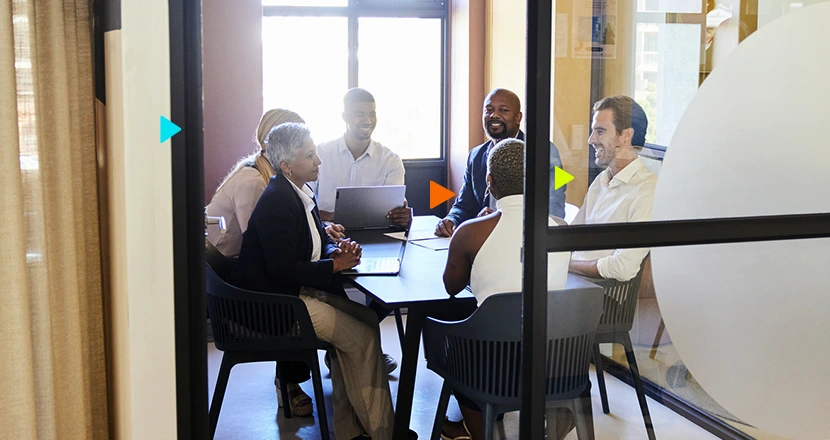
<point x="638" y="385"/>
<point x="586" y="412"/>
<point x="601" y="379"/>
<point x="399" y="324"/>
<point x="581" y="421"/>
<point x="286" y="401"/>
<point x="319" y="397"/>
<point x="489" y="420"/>
<point x="219" y="391"/>
<point x="443" y="402"/>
<point x="657" y="337"/>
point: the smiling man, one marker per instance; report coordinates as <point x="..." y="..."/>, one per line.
<point x="624" y="192"/>
<point x="355" y="159"/>
<point x="501" y="116"/>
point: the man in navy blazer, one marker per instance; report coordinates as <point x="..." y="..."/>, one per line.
<point x="501" y="117"/>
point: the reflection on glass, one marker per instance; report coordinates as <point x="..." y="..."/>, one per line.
<point x="769" y="10"/>
<point x="400" y="64"/>
<point x="305" y="69"/>
<point x="677" y="6"/>
<point x="667" y="72"/>
<point x="305" y="2"/>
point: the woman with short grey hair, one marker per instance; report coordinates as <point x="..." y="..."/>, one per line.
<point x="234" y="200"/>
<point x="286" y="250"/>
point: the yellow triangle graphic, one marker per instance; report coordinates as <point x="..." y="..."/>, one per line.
<point x="561" y="178"/>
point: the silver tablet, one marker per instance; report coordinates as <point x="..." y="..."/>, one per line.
<point x="365" y="207"/>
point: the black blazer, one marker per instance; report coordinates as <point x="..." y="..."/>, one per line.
<point x="276" y="247"/>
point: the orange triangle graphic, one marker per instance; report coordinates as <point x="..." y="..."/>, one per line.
<point x="438" y="194"/>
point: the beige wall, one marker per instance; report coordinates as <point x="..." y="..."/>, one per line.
<point x="232" y="81"/>
<point x="466" y="84"/>
<point x="571" y="107"/>
<point x="141" y="325"/>
<point x="506" y="59"/>
<point x="505" y="63"/>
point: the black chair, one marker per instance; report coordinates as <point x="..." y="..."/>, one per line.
<point x="480" y="357"/>
<point x="619" y="305"/>
<point x="257" y="327"/>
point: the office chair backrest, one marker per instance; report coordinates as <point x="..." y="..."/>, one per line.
<point x="484" y="352"/>
<point x="244" y="320"/>
<point x="620" y="302"/>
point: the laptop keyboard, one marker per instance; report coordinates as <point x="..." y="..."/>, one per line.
<point x="377" y="265"/>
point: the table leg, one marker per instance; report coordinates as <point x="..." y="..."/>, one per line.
<point x="409" y="364"/>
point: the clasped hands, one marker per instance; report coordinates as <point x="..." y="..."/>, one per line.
<point x="347" y="255"/>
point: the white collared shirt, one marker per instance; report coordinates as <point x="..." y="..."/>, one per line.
<point x="308" y="202"/>
<point x="377" y="166"/>
<point x="627" y="197"/>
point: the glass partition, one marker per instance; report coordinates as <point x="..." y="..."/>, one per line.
<point x="662" y="54"/>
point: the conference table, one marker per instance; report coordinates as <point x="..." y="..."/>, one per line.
<point x="419" y="287"/>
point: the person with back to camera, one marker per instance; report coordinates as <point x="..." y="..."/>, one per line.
<point x="479" y="255"/>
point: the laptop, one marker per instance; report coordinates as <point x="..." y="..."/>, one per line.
<point x="365" y="207"/>
<point x="379" y="265"/>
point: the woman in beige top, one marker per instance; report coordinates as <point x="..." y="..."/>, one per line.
<point x="239" y="192"/>
<point x="234" y="200"/>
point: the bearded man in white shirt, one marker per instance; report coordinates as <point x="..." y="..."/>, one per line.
<point x="355" y="159"/>
<point x="623" y="192"/>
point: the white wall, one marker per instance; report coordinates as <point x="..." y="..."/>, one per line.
<point x="141" y="323"/>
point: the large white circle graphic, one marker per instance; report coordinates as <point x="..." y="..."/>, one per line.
<point x="751" y="321"/>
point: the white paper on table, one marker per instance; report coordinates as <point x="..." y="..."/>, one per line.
<point x="396" y="235"/>
<point x="421" y="234"/>
<point x="436" y="243"/>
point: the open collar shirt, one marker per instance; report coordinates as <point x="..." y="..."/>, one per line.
<point x="377" y="166"/>
<point x="627" y="197"/>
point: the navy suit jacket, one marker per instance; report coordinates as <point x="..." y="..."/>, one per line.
<point x="472" y="197"/>
<point x="276" y="247"/>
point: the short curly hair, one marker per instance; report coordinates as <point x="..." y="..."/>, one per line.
<point x="506" y="163"/>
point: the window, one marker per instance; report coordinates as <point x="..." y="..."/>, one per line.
<point x="360" y="43"/>
<point x="666" y="63"/>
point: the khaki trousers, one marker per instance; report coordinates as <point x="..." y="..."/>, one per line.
<point x="360" y="387"/>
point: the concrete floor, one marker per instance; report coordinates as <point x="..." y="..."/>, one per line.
<point x="250" y="407"/>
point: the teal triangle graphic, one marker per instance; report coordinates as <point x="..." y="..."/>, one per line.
<point x="168" y="129"/>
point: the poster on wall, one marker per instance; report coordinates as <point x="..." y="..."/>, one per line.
<point x="595" y="29"/>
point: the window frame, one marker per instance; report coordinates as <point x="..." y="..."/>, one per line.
<point x="356" y="9"/>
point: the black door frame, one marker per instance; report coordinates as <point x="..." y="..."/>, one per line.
<point x="185" y="29"/>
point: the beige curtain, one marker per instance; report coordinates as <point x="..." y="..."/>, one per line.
<point x="52" y="358"/>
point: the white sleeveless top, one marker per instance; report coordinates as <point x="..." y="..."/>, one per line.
<point x="497" y="267"/>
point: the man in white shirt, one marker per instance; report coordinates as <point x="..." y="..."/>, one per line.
<point x="624" y="192"/>
<point x="354" y="159"/>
